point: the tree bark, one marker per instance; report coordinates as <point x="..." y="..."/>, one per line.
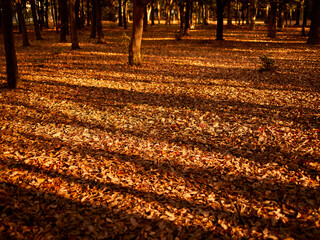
<point x="76" y="13"/>
<point x="181" y="17"/>
<point x="298" y="13"/>
<point x="305" y="17"/>
<point x="145" y="19"/>
<point x="63" y="10"/>
<point x="152" y="14"/>
<point x="99" y="21"/>
<point x="53" y="2"/>
<point x="135" y="43"/>
<point x="125" y="14"/>
<point x="0" y="16"/>
<point x="93" y="29"/>
<point x="35" y="20"/>
<point x="205" y="15"/>
<point x="88" y="13"/>
<point x="187" y="18"/>
<point x="230" y="11"/>
<point x="13" y="79"/>
<point x="73" y="26"/>
<point x="46" y="14"/>
<point x="25" y="39"/>
<point x="120" y="13"/>
<point x="272" y="22"/>
<point x="41" y="14"/>
<point x="314" y="34"/>
<point x="280" y="24"/>
<point x="219" y="20"/>
<point x="253" y="14"/>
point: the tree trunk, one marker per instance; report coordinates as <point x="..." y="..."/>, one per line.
<point x="152" y="14"/>
<point x="99" y="21"/>
<point x="314" y="34"/>
<point x="135" y="43"/>
<point x="13" y="79"/>
<point x="298" y="13"/>
<point x="93" y="29"/>
<point x="125" y="14"/>
<point x="76" y="13"/>
<point x="230" y="11"/>
<point x="305" y="17"/>
<point x="145" y="19"/>
<point x="280" y="24"/>
<point x="63" y="10"/>
<point x="35" y="20"/>
<point x="159" y="13"/>
<point x="46" y="14"/>
<point x="205" y="15"/>
<point x="53" y="2"/>
<point x="219" y="20"/>
<point x="25" y="40"/>
<point x="272" y="22"/>
<point x="41" y="14"/>
<point x="120" y="13"/>
<point x="73" y="26"/>
<point x="88" y="13"/>
<point x="181" y="17"/>
<point x="253" y="14"/>
<point x="0" y="16"/>
<point x="187" y="18"/>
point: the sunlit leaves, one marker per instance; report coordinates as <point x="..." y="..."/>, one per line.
<point x="193" y="144"/>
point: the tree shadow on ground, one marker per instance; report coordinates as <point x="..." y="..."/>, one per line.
<point x="66" y="216"/>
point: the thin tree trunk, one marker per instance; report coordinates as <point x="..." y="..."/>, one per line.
<point x="181" y="17"/>
<point x="76" y="13"/>
<point x="13" y="79"/>
<point x="219" y="20"/>
<point x="253" y="14"/>
<point x="152" y="14"/>
<point x="205" y="15"/>
<point x="298" y="13"/>
<point x="88" y="13"/>
<point x="41" y="14"/>
<point x="159" y="13"/>
<point x="272" y="22"/>
<point x="314" y="34"/>
<point x="248" y="15"/>
<point x="93" y="29"/>
<point x="73" y="26"/>
<point x="305" y="17"/>
<point x="46" y="14"/>
<point x="230" y="11"/>
<point x="280" y="24"/>
<point x="25" y="40"/>
<point x="187" y="18"/>
<point x="35" y="20"/>
<point x="55" y="15"/>
<point x="125" y="14"/>
<point x="145" y="19"/>
<point x="135" y="43"/>
<point x="99" y="21"/>
<point x="120" y="13"/>
<point x="63" y="10"/>
<point x="0" y="16"/>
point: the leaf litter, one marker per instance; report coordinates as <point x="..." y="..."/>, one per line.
<point x="193" y="144"/>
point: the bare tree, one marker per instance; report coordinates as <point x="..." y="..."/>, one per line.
<point x="13" y="79"/>
<point x="135" y="43"/>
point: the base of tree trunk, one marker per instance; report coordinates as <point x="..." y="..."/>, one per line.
<point x="134" y="59"/>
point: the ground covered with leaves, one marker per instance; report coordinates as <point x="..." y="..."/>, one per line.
<point x="195" y="144"/>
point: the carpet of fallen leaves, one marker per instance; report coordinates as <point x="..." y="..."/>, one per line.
<point x="194" y="144"/>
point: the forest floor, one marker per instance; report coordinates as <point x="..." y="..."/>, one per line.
<point x="194" y="144"/>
